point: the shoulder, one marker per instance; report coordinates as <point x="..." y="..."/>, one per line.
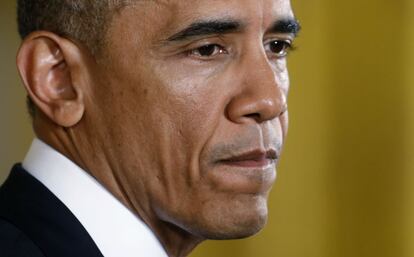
<point x="14" y="243"/>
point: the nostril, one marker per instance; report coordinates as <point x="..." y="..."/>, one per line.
<point x="256" y="116"/>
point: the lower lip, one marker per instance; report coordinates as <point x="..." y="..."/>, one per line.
<point x="251" y="177"/>
<point x="250" y="163"/>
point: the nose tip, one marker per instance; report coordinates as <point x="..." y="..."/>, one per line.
<point x="259" y="110"/>
<point x="271" y="108"/>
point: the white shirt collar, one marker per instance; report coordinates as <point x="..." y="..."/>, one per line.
<point x="115" y="230"/>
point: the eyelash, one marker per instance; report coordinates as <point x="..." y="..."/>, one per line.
<point x="287" y="47"/>
<point x="217" y="50"/>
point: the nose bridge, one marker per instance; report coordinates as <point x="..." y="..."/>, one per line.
<point x="259" y="74"/>
<point x="261" y="97"/>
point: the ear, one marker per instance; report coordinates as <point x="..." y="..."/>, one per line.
<point x="49" y="68"/>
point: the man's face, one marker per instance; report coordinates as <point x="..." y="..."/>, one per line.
<point x="189" y="105"/>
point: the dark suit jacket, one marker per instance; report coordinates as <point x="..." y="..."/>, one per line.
<point x="34" y="222"/>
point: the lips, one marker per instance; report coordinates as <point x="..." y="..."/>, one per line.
<point x="253" y="159"/>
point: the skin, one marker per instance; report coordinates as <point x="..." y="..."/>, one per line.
<point x="161" y="126"/>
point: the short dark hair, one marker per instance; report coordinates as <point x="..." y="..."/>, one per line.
<point x="85" y="21"/>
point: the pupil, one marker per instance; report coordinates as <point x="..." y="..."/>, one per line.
<point x="276" y="47"/>
<point x="207" y="50"/>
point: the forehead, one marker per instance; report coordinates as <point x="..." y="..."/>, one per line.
<point x="170" y="13"/>
<point x="278" y="6"/>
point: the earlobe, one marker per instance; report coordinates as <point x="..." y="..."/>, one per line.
<point x="47" y="76"/>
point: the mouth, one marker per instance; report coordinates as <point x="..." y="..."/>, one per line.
<point x="253" y="159"/>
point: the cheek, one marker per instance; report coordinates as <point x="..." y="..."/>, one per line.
<point x="181" y="124"/>
<point x="282" y="74"/>
<point x="193" y="103"/>
<point x="284" y="123"/>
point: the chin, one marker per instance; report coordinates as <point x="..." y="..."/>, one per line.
<point x="233" y="220"/>
<point x="237" y="231"/>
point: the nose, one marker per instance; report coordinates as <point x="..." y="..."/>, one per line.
<point x="261" y="98"/>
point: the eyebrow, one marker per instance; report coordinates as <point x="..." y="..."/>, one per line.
<point x="205" y="28"/>
<point x="285" y="26"/>
<point x="213" y="27"/>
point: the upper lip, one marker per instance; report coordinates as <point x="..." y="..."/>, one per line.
<point x="255" y="155"/>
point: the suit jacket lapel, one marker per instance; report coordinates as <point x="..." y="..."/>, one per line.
<point x="31" y="207"/>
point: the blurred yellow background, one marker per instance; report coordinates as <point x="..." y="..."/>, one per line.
<point x="345" y="185"/>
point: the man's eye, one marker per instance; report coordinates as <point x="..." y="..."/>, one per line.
<point x="279" y="48"/>
<point x="208" y="51"/>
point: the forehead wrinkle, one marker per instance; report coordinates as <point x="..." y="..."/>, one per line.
<point x="163" y="14"/>
<point x="126" y="3"/>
